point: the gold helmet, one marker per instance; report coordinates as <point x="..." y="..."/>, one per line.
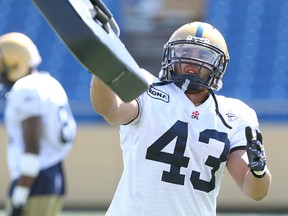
<point x="18" y="56"/>
<point x="195" y="45"/>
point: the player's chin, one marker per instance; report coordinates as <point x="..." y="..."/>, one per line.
<point x="195" y="89"/>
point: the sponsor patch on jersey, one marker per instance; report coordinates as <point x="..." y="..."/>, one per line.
<point x="231" y="117"/>
<point x="157" y="94"/>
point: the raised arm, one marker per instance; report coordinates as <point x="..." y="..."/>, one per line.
<point x="256" y="188"/>
<point x="109" y="105"/>
<point x="248" y="168"/>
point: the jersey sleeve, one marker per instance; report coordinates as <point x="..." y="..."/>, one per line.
<point x="26" y="103"/>
<point x="141" y="99"/>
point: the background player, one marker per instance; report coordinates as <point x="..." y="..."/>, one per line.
<point x="40" y="128"/>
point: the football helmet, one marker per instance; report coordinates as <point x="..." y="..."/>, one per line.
<point x="18" y="57"/>
<point x="195" y="57"/>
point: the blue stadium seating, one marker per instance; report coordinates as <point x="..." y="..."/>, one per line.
<point x="23" y="16"/>
<point x="256" y="33"/>
<point x="257" y="38"/>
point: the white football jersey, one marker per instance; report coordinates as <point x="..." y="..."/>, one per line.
<point x="175" y="153"/>
<point x="39" y="94"/>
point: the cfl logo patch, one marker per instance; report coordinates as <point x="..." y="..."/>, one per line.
<point x="195" y="115"/>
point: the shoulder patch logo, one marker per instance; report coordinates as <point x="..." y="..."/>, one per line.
<point x="231" y="117"/>
<point x="157" y="94"/>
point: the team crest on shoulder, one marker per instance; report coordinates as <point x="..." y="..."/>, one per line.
<point x="231" y="117"/>
<point x="158" y="94"/>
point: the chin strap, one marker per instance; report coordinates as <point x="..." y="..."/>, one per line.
<point x="185" y="85"/>
<point x="217" y="108"/>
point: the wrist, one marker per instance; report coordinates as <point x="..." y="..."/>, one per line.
<point x="20" y="195"/>
<point x="29" y="164"/>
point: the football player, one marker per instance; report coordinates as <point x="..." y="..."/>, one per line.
<point x="40" y="128"/>
<point x="178" y="136"/>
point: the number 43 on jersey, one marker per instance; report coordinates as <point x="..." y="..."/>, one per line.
<point x="177" y="160"/>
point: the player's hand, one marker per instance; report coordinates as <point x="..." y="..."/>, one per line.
<point x="256" y="153"/>
<point x="16" y="211"/>
<point x="18" y="200"/>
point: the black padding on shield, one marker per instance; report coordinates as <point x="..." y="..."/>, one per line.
<point x="95" y="45"/>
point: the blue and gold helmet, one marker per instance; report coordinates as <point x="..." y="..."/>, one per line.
<point x="195" y="57"/>
<point x="18" y="56"/>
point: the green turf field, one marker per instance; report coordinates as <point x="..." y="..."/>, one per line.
<point x="102" y="213"/>
<point x="99" y="213"/>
